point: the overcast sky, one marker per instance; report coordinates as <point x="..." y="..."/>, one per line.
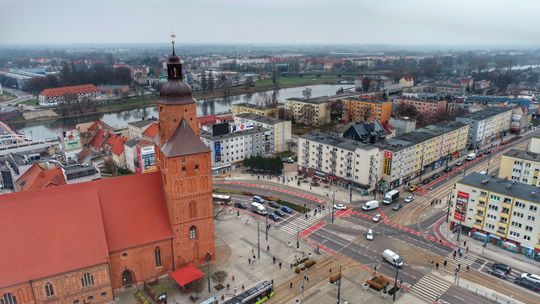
<point x="393" y="22"/>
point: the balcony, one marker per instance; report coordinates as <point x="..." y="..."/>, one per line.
<point x="501" y="230"/>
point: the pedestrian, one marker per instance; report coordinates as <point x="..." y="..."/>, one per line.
<point x="460" y="254"/>
<point x="267" y="247"/>
<point x="252" y="251"/>
<point x="307" y="278"/>
<point x="222" y="297"/>
<point x="330" y="270"/>
<point x="253" y="258"/>
<point x="464" y="243"/>
<point x="468" y="268"/>
<point x="249" y="260"/>
<point x="228" y="286"/>
<point x="458" y="266"/>
<point x="454" y="255"/>
<point x="290" y="285"/>
<point x="234" y="290"/>
<point x="467" y="249"/>
<point x="445" y="262"/>
<point x="279" y="265"/>
<point x="233" y="278"/>
<point x="274" y="259"/>
<point x="437" y="265"/>
<point x="242" y="287"/>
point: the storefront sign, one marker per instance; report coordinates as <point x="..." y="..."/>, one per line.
<point x="462" y="201"/>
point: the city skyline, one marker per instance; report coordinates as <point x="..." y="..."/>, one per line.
<point x="417" y="22"/>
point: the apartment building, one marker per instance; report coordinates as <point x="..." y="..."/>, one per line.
<point x="339" y="160"/>
<point x="71" y="94"/>
<point x="309" y="112"/>
<point x="229" y="149"/>
<point x="281" y="129"/>
<point x="498" y="211"/>
<point x="239" y="108"/>
<point x="521" y="166"/>
<point x="424" y="106"/>
<point x="408" y="155"/>
<point x="487" y="126"/>
<point x="360" y="109"/>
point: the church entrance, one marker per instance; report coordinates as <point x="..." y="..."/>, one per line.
<point x="127" y="278"/>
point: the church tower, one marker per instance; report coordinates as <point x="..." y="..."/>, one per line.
<point x="184" y="163"/>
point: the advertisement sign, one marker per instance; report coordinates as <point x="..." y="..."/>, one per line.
<point x="147" y="159"/>
<point x="71" y="140"/>
<point x="242" y="127"/>
<point x="462" y="201"/>
<point x="388" y="162"/>
<point x="217" y="152"/>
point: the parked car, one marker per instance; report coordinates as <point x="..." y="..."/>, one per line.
<point x="258" y="199"/>
<point x="288" y="160"/>
<point x="396" y="206"/>
<point x="426" y="181"/>
<point x="459" y="164"/>
<point x="507" y="269"/>
<point x="273" y="217"/>
<point x="413" y="188"/>
<point x="340" y="207"/>
<point x="531" y="277"/>
<point x="279" y="213"/>
<point x="370" y="235"/>
<point x="435" y="176"/>
<point x="527" y="284"/>
<point x="286" y="209"/>
<point x="273" y="204"/>
<point x="408" y="199"/>
<point x="377" y="217"/>
<point x="448" y="169"/>
<point x="240" y="205"/>
<point x="497" y="272"/>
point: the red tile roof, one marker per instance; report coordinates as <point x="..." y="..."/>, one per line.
<point x="60" y="229"/>
<point x="78" y="89"/>
<point x="152" y="131"/>
<point x="99" y="139"/>
<point x="116" y="143"/>
<point x="38" y="176"/>
<point x="207" y="120"/>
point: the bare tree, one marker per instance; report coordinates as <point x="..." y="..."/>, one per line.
<point x="306" y="93"/>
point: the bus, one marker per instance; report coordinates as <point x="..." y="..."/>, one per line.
<point x="221" y="199"/>
<point x="257" y="294"/>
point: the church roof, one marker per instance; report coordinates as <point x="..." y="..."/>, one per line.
<point x="183" y="142"/>
<point x="56" y="230"/>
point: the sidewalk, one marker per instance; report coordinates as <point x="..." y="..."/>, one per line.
<point x="514" y="260"/>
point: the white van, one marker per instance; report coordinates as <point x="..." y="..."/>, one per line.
<point x="470" y="156"/>
<point x="258" y="208"/>
<point x="392" y="258"/>
<point x="371" y="205"/>
<point x="390" y="197"/>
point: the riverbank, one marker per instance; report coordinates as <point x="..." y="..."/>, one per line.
<point x="150" y="100"/>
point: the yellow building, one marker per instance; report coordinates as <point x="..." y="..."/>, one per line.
<point x="239" y="108"/>
<point x="520" y="166"/>
<point x="366" y="110"/>
<point x="310" y="112"/>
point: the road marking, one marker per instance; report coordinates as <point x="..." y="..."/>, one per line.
<point x="483" y="265"/>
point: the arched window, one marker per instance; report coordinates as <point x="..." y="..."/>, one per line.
<point x="8" y="298"/>
<point x="49" y="290"/>
<point x="87" y="280"/>
<point x="157" y="255"/>
<point x="192" y="233"/>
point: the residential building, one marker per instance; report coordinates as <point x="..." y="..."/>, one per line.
<point x="230" y="149"/>
<point x="71" y="94"/>
<point x="114" y="90"/>
<point x="239" y="108"/>
<point x="487" y="127"/>
<point x="40" y="176"/>
<point x="407" y="156"/>
<point x="498" y="211"/>
<point x="449" y="88"/>
<point x="140" y="155"/>
<point x="428" y="107"/>
<point x="495" y="101"/>
<point x="366" y="132"/>
<point x="403" y="124"/>
<point x="79" y="242"/>
<point x="368" y="110"/>
<point x="534" y="144"/>
<point x="340" y="160"/>
<point x="309" y="112"/>
<point x="137" y="128"/>
<point x="521" y="166"/>
<point x="521" y="120"/>
<point x="406" y="82"/>
<point x="281" y="129"/>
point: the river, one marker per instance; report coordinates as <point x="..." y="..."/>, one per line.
<point x="120" y="119"/>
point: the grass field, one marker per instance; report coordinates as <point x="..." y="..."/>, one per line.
<point x="287" y="81"/>
<point x="30" y="102"/>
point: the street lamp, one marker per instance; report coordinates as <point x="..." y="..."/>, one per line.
<point x="297" y="236"/>
<point x="258" y="241"/>
<point x="266" y="227"/>
<point x="333" y="203"/>
<point x="395" y="285"/>
<point x="208" y="258"/>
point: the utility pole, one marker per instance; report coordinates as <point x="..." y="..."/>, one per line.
<point x="339" y="286"/>
<point x="208" y="257"/>
<point x="297" y="236"/>
<point x="489" y="160"/>
<point x="266" y="227"/>
<point x="258" y="241"/>
<point x="350" y="192"/>
<point x="448" y="209"/>
<point x="333" y="203"/>
<point x="395" y="286"/>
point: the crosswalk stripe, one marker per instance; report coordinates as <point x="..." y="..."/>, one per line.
<point x="298" y="224"/>
<point x="429" y="288"/>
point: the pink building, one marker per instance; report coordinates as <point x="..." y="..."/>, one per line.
<point x="426" y="107"/>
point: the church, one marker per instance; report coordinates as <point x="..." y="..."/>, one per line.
<point x="77" y="243"/>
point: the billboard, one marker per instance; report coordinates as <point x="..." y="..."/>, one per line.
<point x="217" y="151"/>
<point x="220" y="129"/>
<point x="71" y="140"/>
<point x="242" y="127"/>
<point x="462" y="201"/>
<point x="147" y="159"/>
<point x="388" y="162"/>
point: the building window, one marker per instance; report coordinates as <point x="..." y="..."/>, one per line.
<point x="533" y="208"/>
<point x="157" y="255"/>
<point x="49" y="291"/>
<point x="8" y="298"/>
<point x="530" y="218"/>
<point x="192" y="233"/>
<point x="87" y="280"/>
<point x="76" y="302"/>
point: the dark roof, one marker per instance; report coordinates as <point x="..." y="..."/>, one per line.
<point x="340" y="142"/>
<point x="141" y="123"/>
<point x="253" y="130"/>
<point x="175" y="92"/>
<point x="505" y="187"/>
<point x="183" y="142"/>
<point x="485" y="113"/>
<point x="132" y="142"/>
<point x="259" y="118"/>
<point x="420" y="135"/>
<point x="315" y="100"/>
<point x="523" y="154"/>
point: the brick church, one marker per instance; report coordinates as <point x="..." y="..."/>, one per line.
<point x="76" y="243"/>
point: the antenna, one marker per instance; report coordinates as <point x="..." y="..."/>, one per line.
<point x="173" y="36"/>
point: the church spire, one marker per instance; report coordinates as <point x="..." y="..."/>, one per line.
<point x="173" y="36"/>
<point x="174" y="65"/>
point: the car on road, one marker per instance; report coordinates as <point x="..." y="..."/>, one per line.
<point x="370" y="235"/>
<point x="413" y="188"/>
<point x="435" y="176"/>
<point x="258" y="199"/>
<point x="289" y="160"/>
<point x="377" y="217"/>
<point x="273" y="204"/>
<point x="448" y="169"/>
<point x="286" y="209"/>
<point x="340" y="207"/>
<point x="527" y="284"/>
<point x="396" y="206"/>
<point x="507" y="269"/>
<point x="279" y="213"/>
<point x="426" y="181"/>
<point x="409" y="199"/>
<point x="487" y="152"/>
<point x="240" y="205"/>
<point x="531" y="277"/>
<point x="497" y="272"/>
<point x="273" y="217"/>
<point x="459" y="164"/>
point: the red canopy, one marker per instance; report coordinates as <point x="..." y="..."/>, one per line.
<point x="186" y="275"/>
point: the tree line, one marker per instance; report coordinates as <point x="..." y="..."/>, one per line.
<point x="273" y="164"/>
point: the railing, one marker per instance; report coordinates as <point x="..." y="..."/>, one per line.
<point x="497" y="297"/>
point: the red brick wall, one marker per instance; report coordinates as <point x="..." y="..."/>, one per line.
<point x="141" y="262"/>
<point x="170" y="116"/>
<point x="22" y="292"/>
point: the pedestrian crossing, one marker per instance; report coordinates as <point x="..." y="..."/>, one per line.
<point x="430" y="288"/>
<point x="347" y="224"/>
<point x="458" y="262"/>
<point x="298" y="223"/>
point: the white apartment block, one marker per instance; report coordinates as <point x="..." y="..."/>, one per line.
<point x="310" y="112"/>
<point x="487" y="127"/>
<point x="281" y="129"/>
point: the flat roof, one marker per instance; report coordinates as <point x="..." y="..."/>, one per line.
<point x="340" y="142"/>
<point x="523" y="154"/>
<point x="505" y="187"/>
<point x="251" y="105"/>
<point x="420" y="135"/>
<point x="485" y="113"/>
<point x="264" y="119"/>
<point x="316" y="100"/>
<point x="368" y="100"/>
<point x="256" y="129"/>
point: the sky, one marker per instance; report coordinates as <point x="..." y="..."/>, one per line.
<point x="389" y="22"/>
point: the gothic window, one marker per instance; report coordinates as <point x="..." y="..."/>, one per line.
<point x="49" y="291"/>
<point x="157" y="255"/>
<point x="87" y="280"/>
<point x="192" y="209"/>
<point x="192" y="233"/>
<point x="8" y="298"/>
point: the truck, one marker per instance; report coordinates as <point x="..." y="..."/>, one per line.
<point x="391" y="197"/>
<point x="471" y="156"/>
<point x="258" y="208"/>
<point x="392" y="258"/>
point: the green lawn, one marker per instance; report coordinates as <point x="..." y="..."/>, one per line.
<point x="297" y="81"/>
<point x="31" y="102"/>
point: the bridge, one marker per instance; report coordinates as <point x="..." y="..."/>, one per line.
<point x="15" y="143"/>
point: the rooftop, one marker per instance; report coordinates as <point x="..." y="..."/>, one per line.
<point x="504" y="187"/>
<point x="254" y="130"/>
<point x="420" y="135"/>
<point x="253" y="106"/>
<point x="142" y="123"/>
<point x="344" y="143"/>
<point x="316" y="100"/>
<point x="485" y="113"/>
<point x="523" y="154"/>
<point x="368" y="100"/>
<point x="61" y="91"/>
<point x="259" y="118"/>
